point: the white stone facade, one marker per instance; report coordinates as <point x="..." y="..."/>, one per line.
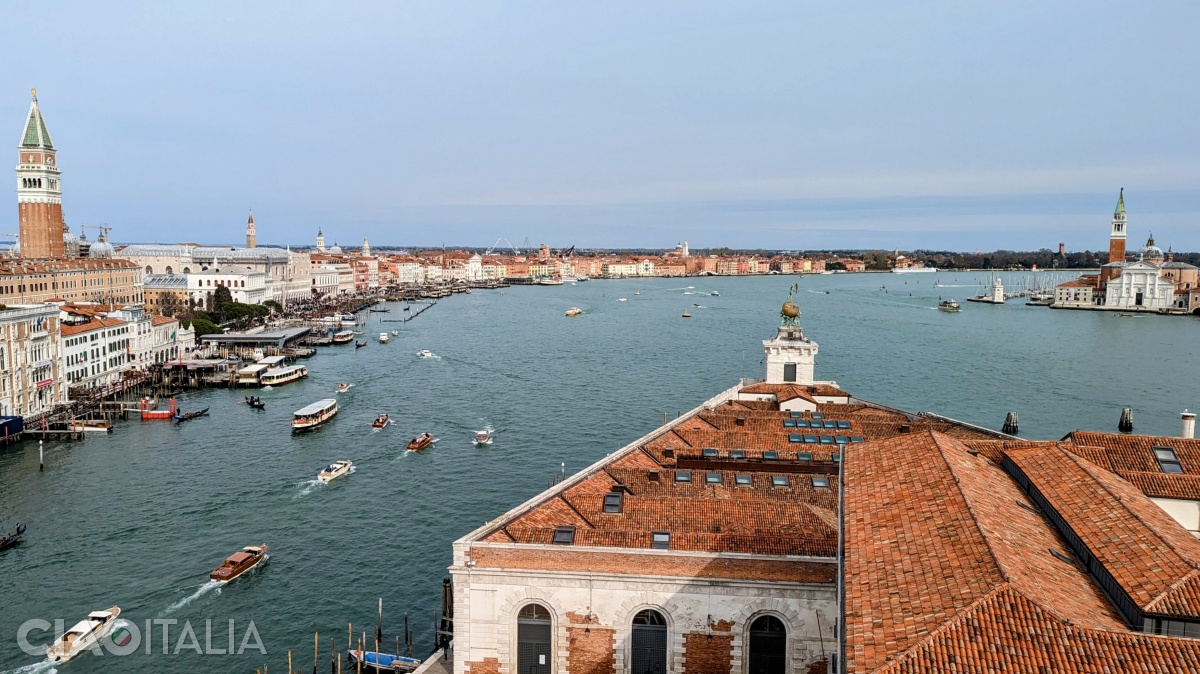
<point x="97" y="353"/>
<point x="791" y="359"/>
<point x="1140" y="288"/>
<point x="245" y="286"/>
<point x="31" y="374"/>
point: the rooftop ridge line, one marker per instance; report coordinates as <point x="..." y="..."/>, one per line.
<point x="953" y="622"/>
<point x="1174" y="586"/>
<point x="701" y="554"/>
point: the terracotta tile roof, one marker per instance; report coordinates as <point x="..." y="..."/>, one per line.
<point x="69" y="330"/>
<point x="155" y="319"/>
<point x="1131" y="457"/>
<point x="795" y="390"/>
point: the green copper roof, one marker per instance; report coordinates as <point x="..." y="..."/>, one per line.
<point x="36" y="134"/>
<point x="1120" y="203"/>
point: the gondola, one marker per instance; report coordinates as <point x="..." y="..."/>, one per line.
<point x="188" y="416"/>
<point x="379" y="311"/>
<point x="359" y="345"/>
<point x="255" y="402"/>
<point x="13" y="538"/>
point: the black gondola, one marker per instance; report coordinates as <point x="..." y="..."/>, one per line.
<point x="255" y="402"/>
<point x="359" y="345"/>
<point x="13" y="538"/>
<point x="190" y="415"/>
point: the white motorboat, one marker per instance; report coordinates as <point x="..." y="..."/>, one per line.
<point x="574" y="311"/>
<point x="622" y="299"/>
<point x="383" y="338"/>
<point x="426" y="353"/>
<point x="84" y="635"/>
<point x="395" y="333"/>
<point x="335" y="470"/>
<point x="343" y="387"/>
<point x="483" y="438"/>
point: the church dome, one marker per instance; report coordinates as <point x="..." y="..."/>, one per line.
<point x="1152" y="253"/>
<point x="70" y="243"/>
<point x="101" y="249"/>
<point x="336" y="250"/>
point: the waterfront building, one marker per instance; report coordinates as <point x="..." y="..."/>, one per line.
<point x="31" y="374"/>
<point x="96" y="351"/>
<point x="1140" y="286"/>
<point x="155" y="339"/>
<point x="83" y="280"/>
<point x="166" y="294"/>
<point x="245" y="285"/>
<point x="287" y="272"/>
<point x="39" y="190"/>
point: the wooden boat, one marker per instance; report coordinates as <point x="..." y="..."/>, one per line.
<point x="359" y="345"/>
<point x="378" y="663"/>
<point x="239" y="563"/>
<point x="92" y="427"/>
<point x="574" y="311"/>
<point x="188" y="416"/>
<point x="255" y="402"/>
<point x="314" y="415"/>
<point x="420" y="442"/>
<point x="343" y="387"/>
<point x="13" y="538"/>
<point x="483" y="437"/>
<point x="86" y="634"/>
<point x="379" y="311"/>
<point x="381" y="421"/>
<point x="335" y="470"/>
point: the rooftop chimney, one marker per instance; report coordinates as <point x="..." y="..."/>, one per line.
<point x="1188" y="420"/>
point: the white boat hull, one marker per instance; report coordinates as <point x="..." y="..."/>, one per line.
<point x="86" y="635"/>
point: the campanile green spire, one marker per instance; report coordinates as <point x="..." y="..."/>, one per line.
<point x="1120" y="203"/>
<point x="36" y="135"/>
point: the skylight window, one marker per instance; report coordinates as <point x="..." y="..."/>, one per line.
<point x="743" y="479"/>
<point x="771" y="455"/>
<point x="856" y="438"/>
<point x="796" y="415"/>
<point x="820" y="482"/>
<point x="841" y="439"/>
<point x="818" y="415"/>
<point x="779" y="481"/>
<point x="789" y="423"/>
<point x="737" y="454"/>
<point x="811" y="439"/>
<point x="804" y="456"/>
<point x="1167" y="460"/>
<point x="827" y="440"/>
<point x="712" y="478"/>
<point x="660" y="540"/>
<point x="843" y="424"/>
<point x="836" y="457"/>
<point x="683" y="476"/>
<point x="564" y="535"/>
<point x="801" y="424"/>
<point x="709" y="451"/>
<point x="613" y="501"/>
<point x="795" y="437"/>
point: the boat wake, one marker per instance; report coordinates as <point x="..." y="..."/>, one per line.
<point x="308" y="486"/>
<point x="428" y="355"/>
<point x="43" y="667"/>
<point x="200" y="592"/>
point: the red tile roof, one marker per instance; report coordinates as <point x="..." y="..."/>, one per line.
<point x="1131" y="457"/>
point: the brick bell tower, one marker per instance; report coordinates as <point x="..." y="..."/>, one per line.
<point x="1116" y="239"/>
<point x="39" y="190"/>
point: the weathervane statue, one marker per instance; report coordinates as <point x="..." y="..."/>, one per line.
<point x="790" y="313"/>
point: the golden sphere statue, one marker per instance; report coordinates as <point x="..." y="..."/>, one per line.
<point x="790" y="309"/>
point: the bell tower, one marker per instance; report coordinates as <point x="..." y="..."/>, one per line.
<point x="1116" y="238"/>
<point x="791" y="359"/>
<point x="39" y="190"/>
<point x="320" y="241"/>
<point x="251" y="236"/>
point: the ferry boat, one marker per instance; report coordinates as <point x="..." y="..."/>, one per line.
<point x="335" y="470"/>
<point x="283" y="375"/>
<point x="239" y="563"/>
<point x="379" y="663"/>
<point x="550" y="282"/>
<point x="420" y="442"/>
<point x="92" y="427"/>
<point x="949" y="305"/>
<point x="483" y="437"/>
<point x="86" y="634"/>
<point x="13" y="538"/>
<point x="383" y="338"/>
<point x="343" y="337"/>
<point x="381" y="421"/>
<point x="314" y="415"/>
<point x="574" y="311"/>
<point x="248" y="376"/>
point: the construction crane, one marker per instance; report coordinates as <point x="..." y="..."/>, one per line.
<point x="565" y="255"/>
<point x="104" y="230"/>
<point x="507" y="244"/>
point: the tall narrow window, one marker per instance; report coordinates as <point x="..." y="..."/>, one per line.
<point x="649" y="652"/>
<point x="533" y="640"/>
<point x="768" y="646"/>
<point x="789" y="372"/>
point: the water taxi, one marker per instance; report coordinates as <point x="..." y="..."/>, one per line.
<point x="343" y="337"/>
<point x="239" y="563"/>
<point x="283" y="375"/>
<point x="715" y="294"/>
<point x="383" y="338"/>
<point x="92" y="427"/>
<point x="381" y="421"/>
<point x="314" y="415"/>
<point x="420" y="442"/>
<point x="395" y="333"/>
<point x="483" y="438"/>
<point x="949" y="305"/>
<point x="343" y="387"/>
<point x="371" y="661"/>
<point x="86" y="634"/>
<point x="335" y="470"/>
<point x="574" y="311"/>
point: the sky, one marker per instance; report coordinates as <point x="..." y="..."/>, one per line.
<point x="784" y="125"/>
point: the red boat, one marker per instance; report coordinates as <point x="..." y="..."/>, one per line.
<point x="239" y="563"/>
<point x="420" y="442"/>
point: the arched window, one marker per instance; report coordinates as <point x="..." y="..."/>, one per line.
<point x="768" y="646"/>
<point x="187" y="270"/>
<point x="649" y="652"/>
<point x="169" y="270"/>
<point x="149" y="270"/>
<point x="533" y="640"/>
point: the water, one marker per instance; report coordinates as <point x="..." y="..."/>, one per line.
<point x="138" y="518"/>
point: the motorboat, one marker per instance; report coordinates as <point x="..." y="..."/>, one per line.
<point x="395" y="333"/>
<point x="574" y="311"/>
<point x="255" y="402"/>
<point x="13" y="538"/>
<point x="381" y="421"/>
<point x="483" y="437"/>
<point x="92" y="427"/>
<point x="426" y="353"/>
<point x="343" y="387"/>
<point x="686" y="314"/>
<point x="359" y="345"/>
<point x="949" y="305"/>
<point x="550" y="282"/>
<point x="379" y="663"/>
<point x="383" y="338"/>
<point x="314" y="415"/>
<point x="188" y="416"/>
<point x="622" y="299"/>
<point x="715" y="294"/>
<point x="420" y="442"/>
<point x="239" y="563"/>
<point x="637" y="292"/>
<point x="85" y="635"/>
<point x="335" y="470"/>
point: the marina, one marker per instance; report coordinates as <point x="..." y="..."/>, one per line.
<point x="629" y="374"/>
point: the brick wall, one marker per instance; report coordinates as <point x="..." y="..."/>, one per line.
<point x="591" y="650"/>
<point x="485" y="666"/>
<point x="702" y="655"/>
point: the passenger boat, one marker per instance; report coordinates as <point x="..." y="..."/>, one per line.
<point x="949" y="305"/>
<point x="381" y="421"/>
<point x="550" y="282"/>
<point x="248" y="376"/>
<point x="188" y="416"/>
<point x="255" y="402"/>
<point x="13" y="538"/>
<point x="420" y="442"/>
<point x="314" y="415"/>
<point x="359" y="345"/>
<point x="343" y="387"/>
<point x="92" y="427"/>
<point x="86" y="634"/>
<point x="574" y="311"/>
<point x="383" y="338"/>
<point x="239" y="563"/>
<point x="335" y="470"/>
<point x="483" y="437"/>
<point x="343" y="337"/>
<point x="378" y="663"/>
<point x="283" y="375"/>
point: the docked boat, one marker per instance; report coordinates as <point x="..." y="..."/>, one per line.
<point x="381" y="421"/>
<point x="314" y="415"/>
<point x="335" y="470"/>
<point x="914" y="270"/>
<point x="239" y="563"/>
<point x="188" y="416"/>
<point x="255" y="402"/>
<point x="13" y="537"/>
<point x="379" y="663"/>
<point x="379" y="311"/>
<point x="343" y="337"/>
<point x="949" y="305"/>
<point x="550" y="282"/>
<point x="483" y="437"/>
<point x="86" y="634"/>
<point x="343" y="387"/>
<point x="574" y="311"/>
<point x="426" y="353"/>
<point x="283" y="375"/>
<point x="359" y="345"/>
<point x="149" y="413"/>
<point x="383" y="338"/>
<point x="92" y="427"/>
<point x="420" y="442"/>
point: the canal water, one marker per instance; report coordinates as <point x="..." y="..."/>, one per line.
<point x="138" y="518"/>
